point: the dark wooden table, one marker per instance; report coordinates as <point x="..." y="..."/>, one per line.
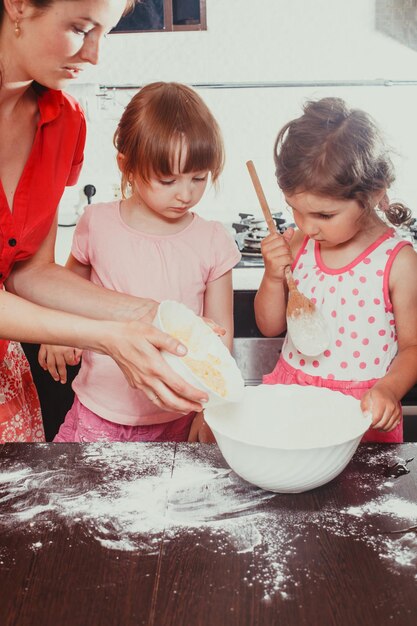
<point x="166" y="534"/>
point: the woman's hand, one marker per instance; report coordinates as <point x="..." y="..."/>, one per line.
<point x="146" y="311"/>
<point x="277" y="254"/>
<point x="55" y="359"/>
<point x="200" y="431"/>
<point x="384" y="408"/>
<point x="135" y="347"/>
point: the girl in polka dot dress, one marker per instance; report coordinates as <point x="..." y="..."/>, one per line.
<point x="334" y="171"/>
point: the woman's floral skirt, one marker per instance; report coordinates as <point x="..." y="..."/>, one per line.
<point x="20" y="411"/>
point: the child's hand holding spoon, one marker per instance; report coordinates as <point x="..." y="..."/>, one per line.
<point x="305" y="323"/>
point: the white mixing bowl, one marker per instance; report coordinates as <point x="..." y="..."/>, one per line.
<point x="288" y="438"/>
<point x="208" y="365"/>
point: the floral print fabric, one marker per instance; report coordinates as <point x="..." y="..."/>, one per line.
<point x="20" y="412"/>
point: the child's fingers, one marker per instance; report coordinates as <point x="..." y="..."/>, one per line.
<point x="275" y="245"/>
<point x="274" y="241"/>
<point x="72" y="356"/>
<point x="276" y="254"/>
<point x="57" y="366"/>
<point x="77" y="355"/>
<point x="219" y="330"/>
<point x="42" y="354"/>
<point x="386" y="417"/>
<point x="288" y="234"/>
<point x="394" y="422"/>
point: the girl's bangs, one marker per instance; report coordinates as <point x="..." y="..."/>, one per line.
<point x="165" y="155"/>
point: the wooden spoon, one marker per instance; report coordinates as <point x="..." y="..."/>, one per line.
<point x="305" y="323"/>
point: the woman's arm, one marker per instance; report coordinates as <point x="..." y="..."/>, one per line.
<point x="133" y="345"/>
<point x="41" y="280"/>
<point x="112" y="324"/>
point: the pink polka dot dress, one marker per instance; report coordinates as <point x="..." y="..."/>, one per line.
<point x="355" y="302"/>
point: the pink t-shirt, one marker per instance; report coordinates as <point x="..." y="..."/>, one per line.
<point x="160" y="267"/>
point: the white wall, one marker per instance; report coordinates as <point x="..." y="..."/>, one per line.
<point x="265" y="41"/>
<point x="261" y="40"/>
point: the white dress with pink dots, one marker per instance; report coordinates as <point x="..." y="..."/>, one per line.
<point x="356" y="305"/>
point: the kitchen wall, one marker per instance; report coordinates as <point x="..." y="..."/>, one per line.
<point x="258" y="63"/>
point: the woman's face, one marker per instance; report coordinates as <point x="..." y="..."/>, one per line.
<point x="56" y="43"/>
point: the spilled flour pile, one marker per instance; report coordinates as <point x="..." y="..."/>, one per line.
<point x="127" y="495"/>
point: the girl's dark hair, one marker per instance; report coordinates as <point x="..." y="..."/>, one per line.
<point x="152" y="124"/>
<point x="335" y="151"/>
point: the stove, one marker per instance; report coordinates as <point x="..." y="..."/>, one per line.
<point x="249" y="233"/>
<point x="410" y="232"/>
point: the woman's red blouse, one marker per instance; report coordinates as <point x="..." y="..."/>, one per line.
<point x="54" y="162"/>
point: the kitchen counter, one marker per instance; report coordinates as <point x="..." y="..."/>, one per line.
<point x="247" y="278"/>
<point x="166" y="534"/>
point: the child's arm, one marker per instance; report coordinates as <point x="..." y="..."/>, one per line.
<point x="55" y="358"/>
<point x="218" y="306"/>
<point x="78" y="268"/>
<point x="200" y="431"/>
<point x="383" y="400"/>
<point x="271" y="298"/>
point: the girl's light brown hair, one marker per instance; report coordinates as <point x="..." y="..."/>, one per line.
<point x="335" y="151"/>
<point x="155" y="120"/>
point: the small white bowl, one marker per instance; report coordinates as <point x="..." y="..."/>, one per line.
<point x="288" y="438"/>
<point x="208" y="364"/>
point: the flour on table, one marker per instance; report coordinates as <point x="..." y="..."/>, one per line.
<point x="140" y="497"/>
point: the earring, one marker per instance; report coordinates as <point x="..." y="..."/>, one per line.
<point x="17" y="28"/>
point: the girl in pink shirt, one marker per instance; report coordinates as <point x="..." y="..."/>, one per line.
<point x="333" y="168"/>
<point x="151" y="245"/>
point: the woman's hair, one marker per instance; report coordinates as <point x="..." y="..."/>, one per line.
<point x="159" y="119"/>
<point x="335" y="151"/>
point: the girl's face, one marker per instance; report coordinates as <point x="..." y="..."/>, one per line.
<point x="171" y="197"/>
<point x="56" y="43"/>
<point x="330" y="221"/>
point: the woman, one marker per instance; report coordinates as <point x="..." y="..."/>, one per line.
<point x="44" y="44"/>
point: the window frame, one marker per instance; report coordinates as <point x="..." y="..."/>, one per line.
<point x="169" y="26"/>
